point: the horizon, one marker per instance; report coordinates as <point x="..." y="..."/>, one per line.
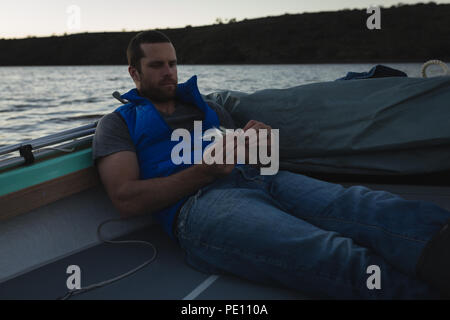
<point x="83" y="16"/>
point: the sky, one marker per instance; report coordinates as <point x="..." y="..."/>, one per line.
<point x="22" y="18"/>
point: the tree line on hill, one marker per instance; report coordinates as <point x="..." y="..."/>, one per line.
<point x="409" y="33"/>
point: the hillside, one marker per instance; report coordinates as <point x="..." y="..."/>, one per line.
<point x="409" y="33"/>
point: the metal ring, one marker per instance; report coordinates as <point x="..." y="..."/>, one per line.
<point x="437" y="62"/>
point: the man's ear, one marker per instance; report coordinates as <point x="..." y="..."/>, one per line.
<point x="134" y="73"/>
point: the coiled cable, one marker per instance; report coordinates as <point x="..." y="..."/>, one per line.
<point x="71" y="293"/>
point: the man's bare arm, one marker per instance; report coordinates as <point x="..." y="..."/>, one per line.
<point x="119" y="173"/>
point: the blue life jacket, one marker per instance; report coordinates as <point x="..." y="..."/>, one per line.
<point x="152" y="138"/>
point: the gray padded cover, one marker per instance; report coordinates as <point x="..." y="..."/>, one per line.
<point x="377" y="126"/>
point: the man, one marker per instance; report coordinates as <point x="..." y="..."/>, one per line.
<point x="285" y="229"/>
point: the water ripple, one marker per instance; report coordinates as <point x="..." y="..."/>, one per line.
<point x="62" y="98"/>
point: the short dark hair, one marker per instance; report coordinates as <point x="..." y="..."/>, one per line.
<point x="134" y="51"/>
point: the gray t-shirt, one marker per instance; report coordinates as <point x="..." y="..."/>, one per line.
<point x="112" y="135"/>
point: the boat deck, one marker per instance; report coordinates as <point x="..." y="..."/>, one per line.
<point x="167" y="277"/>
<point x="37" y="248"/>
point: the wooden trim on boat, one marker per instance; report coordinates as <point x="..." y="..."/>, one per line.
<point x="22" y="201"/>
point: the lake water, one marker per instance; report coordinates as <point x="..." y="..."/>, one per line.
<point x="37" y="101"/>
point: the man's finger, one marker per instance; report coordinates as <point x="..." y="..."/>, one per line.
<point x="249" y="124"/>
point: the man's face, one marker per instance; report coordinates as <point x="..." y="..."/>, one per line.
<point x="158" y="78"/>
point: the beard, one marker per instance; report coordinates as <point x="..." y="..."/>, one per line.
<point x="159" y="93"/>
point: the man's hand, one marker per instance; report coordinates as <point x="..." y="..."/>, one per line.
<point x="257" y="126"/>
<point x="218" y="170"/>
<point x="231" y="142"/>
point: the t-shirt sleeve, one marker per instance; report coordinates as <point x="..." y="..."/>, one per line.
<point x="111" y="136"/>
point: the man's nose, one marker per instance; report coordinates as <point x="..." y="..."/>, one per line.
<point x="167" y="70"/>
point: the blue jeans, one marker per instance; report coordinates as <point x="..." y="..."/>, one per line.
<point x="316" y="237"/>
